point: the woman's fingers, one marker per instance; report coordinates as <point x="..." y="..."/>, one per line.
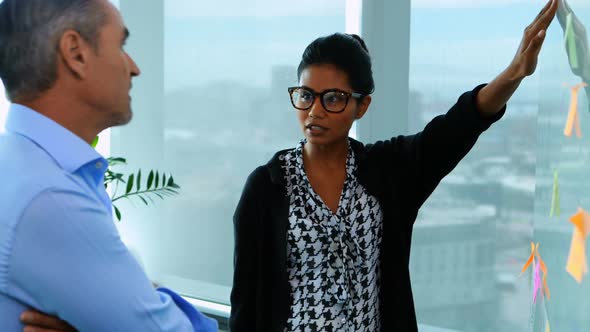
<point x="544" y="18"/>
<point x="535" y="45"/>
<point x="545" y="8"/>
<point x="541" y="23"/>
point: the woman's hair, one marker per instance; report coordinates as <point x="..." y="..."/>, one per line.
<point x="348" y="53"/>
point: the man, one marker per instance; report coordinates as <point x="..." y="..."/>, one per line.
<point x="68" y="77"/>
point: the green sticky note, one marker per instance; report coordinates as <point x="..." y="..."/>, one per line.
<point x="555" y="211"/>
<point x="570" y="42"/>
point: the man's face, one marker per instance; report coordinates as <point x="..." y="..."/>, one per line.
<point x="111" y="71"/>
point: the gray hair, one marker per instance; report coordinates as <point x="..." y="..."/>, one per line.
<point x="30" y="31"/>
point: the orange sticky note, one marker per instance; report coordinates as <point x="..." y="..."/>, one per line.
<point x="544" y="270"/>
<point x="577" y="264"/>
<point x="573" y="120"/>
<point x="545" y="287"/>
<point x="530" y="259"/>
<point x="540" y="265"/>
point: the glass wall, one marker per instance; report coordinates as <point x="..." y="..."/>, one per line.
<point x="562" y="167"/>
<point x="472" y="236"/>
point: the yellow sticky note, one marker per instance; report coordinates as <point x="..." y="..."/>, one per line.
<point x="577" y="264"/>
<point x="555" y="210"/>
<point x="573" y="120"/>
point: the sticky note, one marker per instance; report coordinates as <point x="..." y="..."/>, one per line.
<point x="530" y="259"/>
<point x="577" y="264"/>
<point x="555" y="210"/>
<point x="573" y="119"/>
<point x="570" y="42"/>
<point x="540" y="283"/>
<point x="537" y="282"/>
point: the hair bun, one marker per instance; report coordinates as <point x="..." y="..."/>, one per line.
<point x="360" y="41"/>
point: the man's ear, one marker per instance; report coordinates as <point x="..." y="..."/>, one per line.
<point x="363" y="107"/>
<point x="74" y="51"/>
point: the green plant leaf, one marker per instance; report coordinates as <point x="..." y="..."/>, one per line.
<point x="150" y="180"/>
<point x="116" y="161"/>
<point x="168" y="189"/>
<point x="129" y="184"/>
<point x="138" y="180"/>
<point x="117" y="213"/>
<point x="133" y="186"/>
<point x="94" y="142"/>
<point x="143" y="199"/>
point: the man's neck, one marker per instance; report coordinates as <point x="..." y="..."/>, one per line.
<point x="79" y="122"/>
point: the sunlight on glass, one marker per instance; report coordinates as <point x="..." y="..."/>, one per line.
<point x="352" y="16"/>
<point x="3" y="106"/>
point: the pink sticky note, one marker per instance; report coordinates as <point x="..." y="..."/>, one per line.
<point x="537" y="286"/>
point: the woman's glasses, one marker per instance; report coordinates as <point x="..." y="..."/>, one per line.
<point x="333" y="100"/>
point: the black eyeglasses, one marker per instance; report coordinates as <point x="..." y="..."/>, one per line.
<point x="333" y="100"/>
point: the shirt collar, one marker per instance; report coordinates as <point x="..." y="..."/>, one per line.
<point x="69" y="151"/>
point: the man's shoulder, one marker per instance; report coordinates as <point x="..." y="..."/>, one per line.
<point x="27" y="172"/>
<point x="22" y="159"/>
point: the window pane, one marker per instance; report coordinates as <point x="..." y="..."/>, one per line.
<point x="478" y="223"/>
<point x="499" y="198"/>
<point x="570" y="158"/>
<point x="226" y="111"/>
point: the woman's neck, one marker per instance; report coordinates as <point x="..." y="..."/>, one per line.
<point x="332" y="155"/>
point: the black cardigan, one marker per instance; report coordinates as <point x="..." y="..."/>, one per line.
<point x="401" y="173"/>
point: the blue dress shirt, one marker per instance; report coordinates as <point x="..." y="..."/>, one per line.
<point x="60" y="251"/>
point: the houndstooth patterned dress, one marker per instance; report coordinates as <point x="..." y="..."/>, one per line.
<point x="332" y="259"/>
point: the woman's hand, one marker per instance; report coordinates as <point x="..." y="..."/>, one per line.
<point x="36" y="321"/>
<point x="525" y="60"/>
<point x="492" y="98"/>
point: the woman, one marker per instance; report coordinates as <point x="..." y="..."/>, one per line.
<point x="323" y="230"/>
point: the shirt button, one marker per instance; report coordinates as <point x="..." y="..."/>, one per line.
<point x="98" y="164"/>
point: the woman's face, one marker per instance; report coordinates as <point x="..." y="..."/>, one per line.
<point x="320" y="126"/>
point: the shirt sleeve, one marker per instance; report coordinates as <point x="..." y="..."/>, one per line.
<point x="243" y="294"/>
<point x="428" y="156"/>
<point x="68" y="260"/>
